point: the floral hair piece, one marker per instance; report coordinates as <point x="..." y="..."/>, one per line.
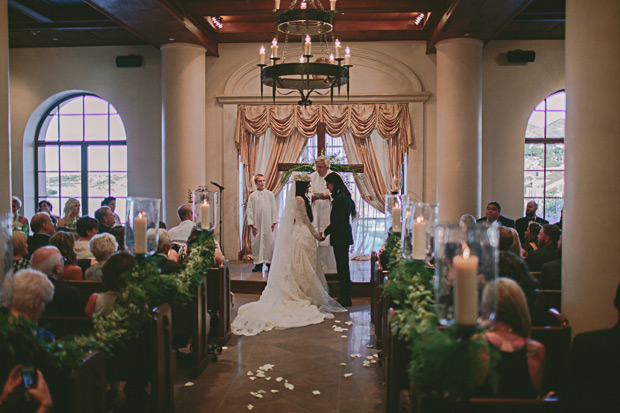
<point x="301" y="177"/>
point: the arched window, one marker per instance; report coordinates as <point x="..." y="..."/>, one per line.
<point x="544" y="157"/>
<point x="81" y="152"/>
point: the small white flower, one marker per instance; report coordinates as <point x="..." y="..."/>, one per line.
<point x="344" y="364"/>
<point x="274" y="390"/>
<point x="373" y="361"/>
<point x="226" y="348"/>
<point x="343" y="336"/>
<point x="250" y="407"/>
<point x="349" y="323"/>
<point x="289" y="386"/>
<point x="189" y="384"/>
<point x="252" y="378"/>
<point x="256" y="394"/>
<point x="260" y="374"/>
<point x="316" y="392"/>
<point x="369" y="357"/>
<point x="376" y="356"/>
<point x="268" y="378"/>
<point x="261" y="391"/>
<point x="337" y="321"/>
<point x="249" y="373"/>
<point x="347" y="375"/>
<point x="279" y="379"/>
<point x="352" y="356"/>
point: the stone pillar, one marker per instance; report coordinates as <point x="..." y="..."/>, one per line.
<point x="183" y="124"/>
<point x="591" y="222"/>
<point x="459" y="104"/>
<point x="5" y="136"/>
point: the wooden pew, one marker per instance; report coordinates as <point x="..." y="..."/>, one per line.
<point x="557" y="341"/>
<point x="162" y="360"/>
<point x="552" y="298"/>
<point x="396" y="357"/>
<point x="218" y="300"/>
<point x="82" y="388"/>
<point x="65" y="326"/>
<point x="381" y="305"/>
<point x="87" y="288"/>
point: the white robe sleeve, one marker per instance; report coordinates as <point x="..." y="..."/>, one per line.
<point x="249" y="211"/>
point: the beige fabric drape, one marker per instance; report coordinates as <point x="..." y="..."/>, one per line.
<point x="292" y="125"/>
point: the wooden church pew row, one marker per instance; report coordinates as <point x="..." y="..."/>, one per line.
<point x="381" y="305"/>
<point x="82" y="388"/>
<point x="218" y="300"/>
<point x="396" y="357"/>
<point x="557" y="342"/>
<point x="552" y="298"/>
<point x="65" y="326"/>
<point x="162" y="360"/>
<point x="87" y="288"/>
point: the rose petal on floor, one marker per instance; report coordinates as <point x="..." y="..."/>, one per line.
<point x="348" y="374"/>
<point x="189" y="384"/>
<point x="316" y="392"/>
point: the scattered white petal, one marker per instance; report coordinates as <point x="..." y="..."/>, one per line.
<point x="260" y="374"/>
<point x="345" y="329"/>
<point x="279" y="379"/>
<point x="274" y="390"/>
<point x="369" y="346"/>
<point x="249" y="373"/>
<point x="266" y="367"/>
<point x="343" y="336"/>
<point x="289" y="386"/>
<point x="250" y="407"/>
<point x="348" y="374"/>
<point x="252" y="378"/>
<point x="373" y="361"/>
<point x="256" y="394"/>
<point x="189" y="384"/>
<point x="369" y="357"/>
<point x="316" y="392"/>
<point x="337" y="321"/>
<point x="344" y="364"/>
<point x="261" y="391"/>
<point x="366" y="364"/>
<point x="376" y="356"/>
<point x="226" y="348"/>
<point x="268" y="378"/>
<point x="352" y="356"/>
<point x="349" y="323"/>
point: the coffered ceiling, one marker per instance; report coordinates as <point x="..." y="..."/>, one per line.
<point x="56" y="23"/>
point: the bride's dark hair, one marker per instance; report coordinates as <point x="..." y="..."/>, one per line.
<point x="300" y="190"/>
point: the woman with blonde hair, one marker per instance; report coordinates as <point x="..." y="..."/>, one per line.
<point x="71" y="214"/>
<point x="20" y="251"/>
<point x="20" y="223"/>
<point x="522" y="360"/>
<point x="65" y="243"/>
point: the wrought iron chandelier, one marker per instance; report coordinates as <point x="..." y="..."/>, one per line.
<point x="328" y="71"/>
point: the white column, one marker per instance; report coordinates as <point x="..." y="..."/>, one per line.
<point x="183" y="124"/>
<point x="5" y="137"/>
<point x="590" y="240"/>
<point x="459" y="104"/>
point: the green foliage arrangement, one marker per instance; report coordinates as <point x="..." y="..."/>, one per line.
<point x="391" y="252"/>
<point x="311" y="167"/>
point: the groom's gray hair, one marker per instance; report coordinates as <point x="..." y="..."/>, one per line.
<point x="324" y="159"/>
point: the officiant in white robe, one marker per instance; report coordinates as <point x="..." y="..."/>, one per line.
<point x="262" y="217"/>
<point x="321" y="208"/>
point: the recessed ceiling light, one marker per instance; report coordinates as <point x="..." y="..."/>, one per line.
<point x="55" y="39"/>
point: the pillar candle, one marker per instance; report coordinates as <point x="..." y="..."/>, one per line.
<point x="338" y="48"/>
<point x="465" y="288"/>
<point x="274" y="47"/>
<point x="204" y="215"/>
<point x="261" y="55"/>
<point x="332" y="5"/>
<point x="277" y="4"/>
<point x="308" y="46"/>
<point x="139" y="234"/>
<point x="396" y="219"/>
<point x="419" y="239"/>
<point x="347" y="56"/>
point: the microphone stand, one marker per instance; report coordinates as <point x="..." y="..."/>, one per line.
<point x="221" y="189"/>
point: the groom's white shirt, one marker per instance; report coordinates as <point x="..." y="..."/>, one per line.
<point x="262" y="212"/>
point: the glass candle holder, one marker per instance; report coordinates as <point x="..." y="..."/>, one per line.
<point x="419" y="222"/>
<point x="205" y="208"/>
<point x="394" y="212"/>
<point x="466" y="266"/>
<point x="142" y="225"/>
<point x="6" y="243"/>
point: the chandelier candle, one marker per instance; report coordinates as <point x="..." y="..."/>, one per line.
<point x="332" y="5"/>
<point x="139" y="229"/>
<point x="274" y="48"/>
<point x="465" y="288"/>
<point x="338" y="48"/>
<point x="277" y="4"/>
<point x="331" y="59"/>
<point x="419" y="239"/>
<point x="347" y="56"/>
<point x="308" y="46"/>
<point x="261" y="55"/>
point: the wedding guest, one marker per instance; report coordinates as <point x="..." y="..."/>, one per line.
<point x="530" y="216"/>
<point x="102" y="246"/>
<point x="14" y="399"/>
<point x="26" y="293"/>
<point x="67" y="300"/>
<point x="509" y="240"/>
<point x="547" y="248"/>
<point x="43" y="229"/>
<point x="105" y="216"/>
<point x="466" y="220"/>
<point x="119" y="234"/>
<point x="71" y="214"/>
<point x="20" y="223"/>
<point x="531" y="238"/>
<point x="103" y="303"/>
<point x="166" y="265"/>
<point x="321" y="208"/>
<point x="46" y="206"/>
<point x="87" y="228"/>
<point x="184" y="253"/>
<point x="522" y="361"/>
<point x="110" y="202"/>
<point x="179" y="234"/>
<point x="493" y="214"/>
<point x="65" y="242"/>
<point x="20" y="251"/>
<point x="262" y="216"/>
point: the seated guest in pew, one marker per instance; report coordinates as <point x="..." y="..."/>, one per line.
<point x="119" y="234"/>
<point x="493" y="214"/>
<point x="102" y="303"/>
<point x="110" y="202"/>
<point x="531" y="238"/>
<point x="105" y="216"/>
<point x="102" y="246"/>
<point x="509" y="240"/>
<point x="551" y="273"/>
<point x="522" y="361"/>
<point x="87" y="228"/>
<point x="547" y="248"/>
<point x="65" y="243"/>
<point x="46" y="206"/>
<point x="43" y="229"/>
<point x="165" y="264"/>
<point x="184" y="253"/>
<point x="67" y="301"/>
<point x="593" y="383"/>
<point x="20" y="251"/>
<point x="530" y="216"/>
<point x="179" y="234"/>
<point x="71" y="213"/>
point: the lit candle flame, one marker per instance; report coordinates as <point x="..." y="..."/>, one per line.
<point x="420" y="219"/>
<point x="308" y="40"/>
<point x="302" y="59"/>
<point x="466" y="252"/>
<point x="331" y="58"/>
<point x="337" y="43"/>
<point x="347" y="51"/>
<point x="262" y="50"/>
<point x="274" y="41"/>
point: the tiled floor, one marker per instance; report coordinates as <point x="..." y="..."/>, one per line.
<point x="240" y="270"/>
<point x="308" y="357"/>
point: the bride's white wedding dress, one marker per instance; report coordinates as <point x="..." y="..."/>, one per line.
<point x="296" y="292"/>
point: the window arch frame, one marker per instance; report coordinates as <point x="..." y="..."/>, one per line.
<point x="84" y="144"/>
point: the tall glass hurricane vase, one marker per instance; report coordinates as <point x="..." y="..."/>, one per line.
<point x="466" y="263"/>
<point x="205" y="209"/>
<point x="141" y="226"/>
<point x="419" y="222"/>
<point x="6" y="243"/>
<point x="394" y="212"/>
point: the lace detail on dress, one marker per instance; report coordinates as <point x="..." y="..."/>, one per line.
<point x="302" y="216"/>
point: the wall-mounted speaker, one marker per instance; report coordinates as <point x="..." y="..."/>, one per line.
<point x="132" y="60"/>
<point x="520" y="56"/>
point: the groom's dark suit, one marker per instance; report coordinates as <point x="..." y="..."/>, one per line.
<point x="341" y="237"/>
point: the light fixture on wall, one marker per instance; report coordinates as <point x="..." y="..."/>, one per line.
<point x="216" y="21"/>
<point x="328" y="71"/>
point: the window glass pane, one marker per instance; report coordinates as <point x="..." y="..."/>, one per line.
<point x="72" y="107"/>
<point x="309" y="152"/>
<point x="70" y="158"/>
<point x="71" y="184"/>
<point x="121" y="207"/>
<point x="334" y="147"/>
<point x="553" y="209"/>
<point x="98" y="158"/>
<point x="49" y="129"/>
<point x="118" y="184"/>
<point x="557" y="101"/>
<point x="118" y="158"/>
<point x="534" y="157"/>
<point x="555" y="156"/>
<point x="536" y="126"/>
<point x="71" y="128"/>
<point x="48" y="184"/>
<point x="555" y="124"/>
<point x="98" y="184"/>
<point x="96" y="127"/>
<point x="93" y="205"/>
<point x="94" y="105"/>
<point x="47" y="158"/>
<point x="534" y="185"/>
<point x="555" y="184"/>
<point x="541" y="105"/>
<point x="117" y="129"/>
<point x="113" y="109"/>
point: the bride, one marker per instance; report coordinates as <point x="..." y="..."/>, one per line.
<point x="296" y="292"/>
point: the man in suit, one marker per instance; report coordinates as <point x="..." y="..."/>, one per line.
<point x="548" y="250"/>
<point x="43" y="229"/>
<point x="67" y="301"/>
<point x="164" y="245"/>
<point x="593" y="382"/>
<point x="493" y="214"/>
<point x="105" y="216"/>
<point x="530" y="215"/>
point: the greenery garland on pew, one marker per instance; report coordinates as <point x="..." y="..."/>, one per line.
<point x="391" y="254"/>
<point x="144" y="287"/>
<point x="311" y="167"/>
